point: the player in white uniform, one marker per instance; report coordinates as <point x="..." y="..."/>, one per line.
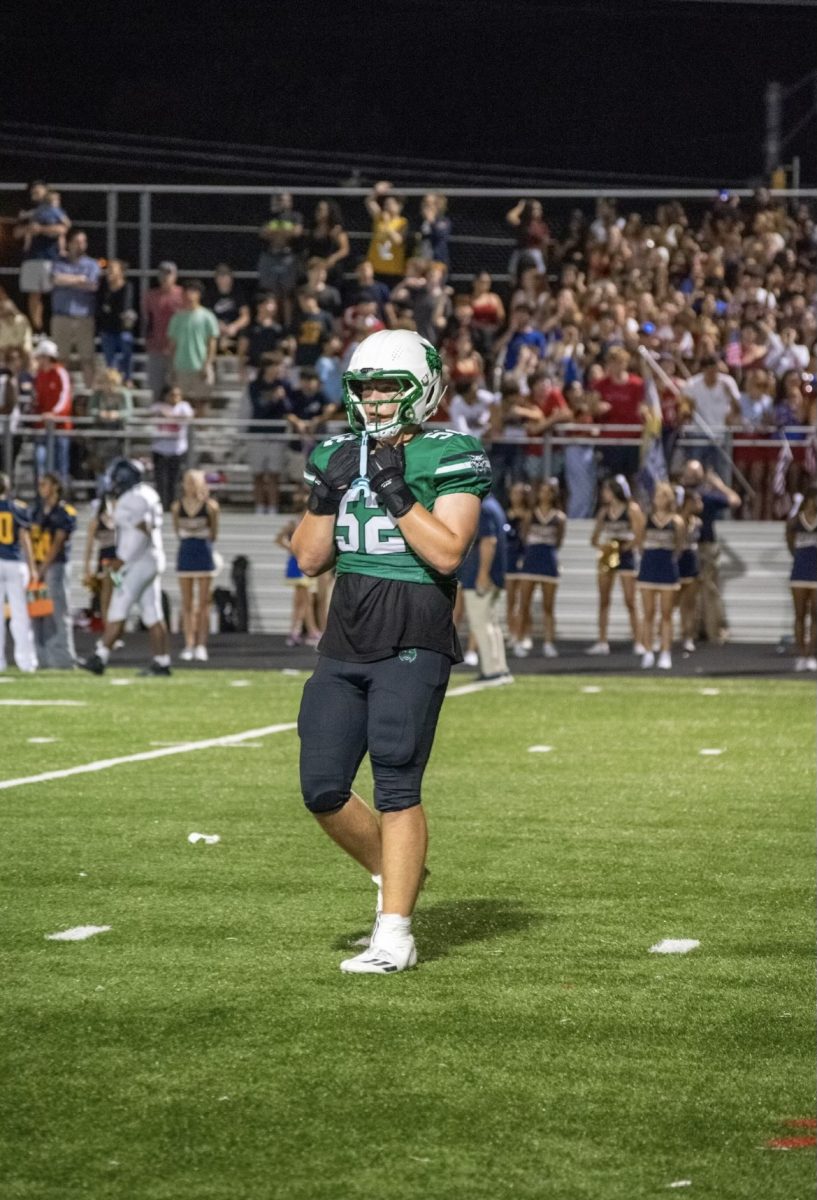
<point x="137" y="569"/>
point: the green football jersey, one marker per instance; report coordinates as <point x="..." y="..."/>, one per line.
<point x="439" y="462"/>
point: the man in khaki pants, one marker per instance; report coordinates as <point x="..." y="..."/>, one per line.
<point x="482" y="579"/>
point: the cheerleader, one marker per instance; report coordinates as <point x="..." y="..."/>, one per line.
<point x="618" y="526"/>
<point x="305" y="589"/>
<point x="516" y="531"/>
<point x="689" y="567"/>
<point x="540" y="564"/>
<point x="660" y="543"/>
<point x="100" y="536"/>
<point x="801" y="539"/>
<point x="195" y="520"/>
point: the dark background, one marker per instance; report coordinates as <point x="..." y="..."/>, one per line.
<point x="660" y="89"/>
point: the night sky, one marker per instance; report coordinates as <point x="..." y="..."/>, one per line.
<point x="657" y="88"/>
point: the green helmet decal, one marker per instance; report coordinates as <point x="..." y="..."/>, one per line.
<point x="435" y="362"/>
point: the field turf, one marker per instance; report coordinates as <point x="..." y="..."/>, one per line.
<point x="208" y="1048"/>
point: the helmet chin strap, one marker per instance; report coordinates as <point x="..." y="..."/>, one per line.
<point x="362" y="483"/>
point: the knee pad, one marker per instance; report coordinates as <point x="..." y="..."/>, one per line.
<point x="330" y="801"/>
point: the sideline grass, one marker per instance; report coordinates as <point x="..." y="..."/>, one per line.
<point x="208" y="1047"/>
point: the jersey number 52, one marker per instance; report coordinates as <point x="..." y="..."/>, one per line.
<point x="369" y="530"/>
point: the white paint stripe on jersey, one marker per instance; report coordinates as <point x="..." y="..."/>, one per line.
<point x="457" y="466"/>
<point x="44" y="703"/>
<point x="146" y="755"/>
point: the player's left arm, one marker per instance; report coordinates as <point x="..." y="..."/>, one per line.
<point x="442" y="537"/>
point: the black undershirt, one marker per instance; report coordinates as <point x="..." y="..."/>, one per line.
<point x="371" y="618"/>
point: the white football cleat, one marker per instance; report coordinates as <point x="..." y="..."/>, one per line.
<point x="383" y="959"/>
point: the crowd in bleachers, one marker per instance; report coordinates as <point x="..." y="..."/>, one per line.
<point x="600" y="325"/>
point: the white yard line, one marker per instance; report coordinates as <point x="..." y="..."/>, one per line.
<point x="146" y="755"/>
<point x="44" y="703"/>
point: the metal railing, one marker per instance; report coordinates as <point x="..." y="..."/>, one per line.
<point x="126" y="215"/>
<point x="218" y="444"/>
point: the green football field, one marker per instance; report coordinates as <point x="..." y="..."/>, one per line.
<point x="207" y="1047"/>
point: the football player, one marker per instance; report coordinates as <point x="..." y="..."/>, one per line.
<point x="136" y="571"/>
<point x="394" y="508"/>
<point x="16" y="568"/>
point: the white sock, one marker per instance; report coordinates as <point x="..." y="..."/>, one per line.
<point x="392" y="926"/>
<point x="103" y="653"/>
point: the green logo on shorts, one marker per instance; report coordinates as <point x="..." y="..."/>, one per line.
<point x="407" y="655"/>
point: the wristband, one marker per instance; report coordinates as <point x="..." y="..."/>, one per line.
<point x="324" y="501"/>
<point x="393" y="492"/>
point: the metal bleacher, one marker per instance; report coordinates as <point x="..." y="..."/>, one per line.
<point x="754" y="572"/>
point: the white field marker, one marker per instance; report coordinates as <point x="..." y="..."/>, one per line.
<point x="146" y="755"/>
<point x="209" y="839"/>
<point x="78" y="934"/>
<point x="679" y="1183"/>
<point x="43" y="703"/>
<point x="706" y="692"/>
<point x="41" y="741"/>
<point x="539" y="749"/>
<point x="240" y="683"/>
<point x="120" y="682"/>
<point x="290" y="671"/>
<point x="675" y="946"/>
<point x="468" y="689"/>
<point x="713" y="752"/>
<point x="591" y="691"/>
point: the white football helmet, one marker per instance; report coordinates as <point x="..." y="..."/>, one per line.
<point x="403" y="356"/>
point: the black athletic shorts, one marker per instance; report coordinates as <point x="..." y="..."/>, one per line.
<point x="389" y="708"/>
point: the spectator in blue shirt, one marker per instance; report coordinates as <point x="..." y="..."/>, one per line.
<point x="482" y="579"/>
<point x="75" y="279"/>
<point x="522" y="332"/>
<point x="41" y="229"/>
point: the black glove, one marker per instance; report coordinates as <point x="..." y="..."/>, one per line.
<point x="385" y="472"/>
<point x="333" y="481"/>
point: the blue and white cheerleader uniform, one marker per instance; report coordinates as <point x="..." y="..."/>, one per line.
<point x="619" y="529"/>
<point x="514" y="546"/>
<point x="659" y="566"/>
<point x="541" y="561"/>
<point x="804" y="566"/>
<point x="688" y="565"/>
<point x="195" y="556"/>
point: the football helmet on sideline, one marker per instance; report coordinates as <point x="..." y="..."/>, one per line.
<point x="124" y="474"/>
<point x="394" y="354"/>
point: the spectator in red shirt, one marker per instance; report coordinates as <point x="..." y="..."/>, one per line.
<point x="544" y="408"/>
<point x="158" y="306"/>
<point x="53" y="403"/>
<point x="532" y="236"/>
<point x="624" y="393"/>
